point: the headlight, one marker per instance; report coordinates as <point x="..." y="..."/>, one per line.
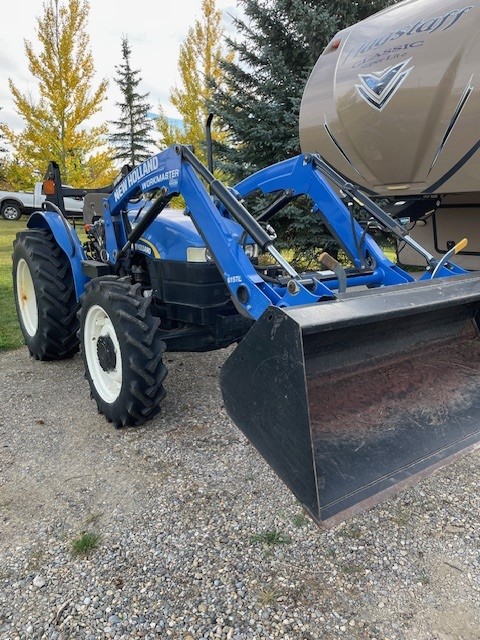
<point x="198" y="254"/>
<point x="202" y="254"/>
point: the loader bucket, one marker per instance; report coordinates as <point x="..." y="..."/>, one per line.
<point x="351" y="400"/>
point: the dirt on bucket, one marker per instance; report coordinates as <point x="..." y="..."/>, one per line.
<point x="427" y="386"/>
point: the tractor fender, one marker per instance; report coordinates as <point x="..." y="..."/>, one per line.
<point x="67" y="239"/>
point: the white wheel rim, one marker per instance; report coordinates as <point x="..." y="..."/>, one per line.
<point x="10" y="213"/>
<point x="98" y="324"/>
<point x="27" y="300"/>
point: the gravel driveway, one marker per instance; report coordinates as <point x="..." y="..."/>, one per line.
<point x="198" y="538"/>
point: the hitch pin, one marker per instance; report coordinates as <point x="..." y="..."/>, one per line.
<point x="293" y="286"/>
<point x="453" y="251"/>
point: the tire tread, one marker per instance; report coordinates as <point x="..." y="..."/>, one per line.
<point x="137" y="330"/>
<point x="56" y="337"/>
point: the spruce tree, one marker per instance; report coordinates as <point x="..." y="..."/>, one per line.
<point x="259" y="100"/>
<point x="133" y="136"/>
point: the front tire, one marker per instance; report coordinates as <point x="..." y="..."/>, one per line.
<point x="122" y="351"/>
<point x="44" y="296"/>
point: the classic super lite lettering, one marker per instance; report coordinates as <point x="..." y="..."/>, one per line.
<point x="393" y="53"/>
<point x="426" y="26"/>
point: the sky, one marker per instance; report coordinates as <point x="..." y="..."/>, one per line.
<point x="155" y="30"/>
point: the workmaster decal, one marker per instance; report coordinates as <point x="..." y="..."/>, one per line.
<point x="167" y="176"/>
<point x="379" y="88"/>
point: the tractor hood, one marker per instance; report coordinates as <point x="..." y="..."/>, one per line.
<point x="171" y="233"/>
<point x="393" y="102"/>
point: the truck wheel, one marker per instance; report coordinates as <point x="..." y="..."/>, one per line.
<point x="44" y="296"/>
<point x="122" y="351"/>
<point x="11" y="211"/>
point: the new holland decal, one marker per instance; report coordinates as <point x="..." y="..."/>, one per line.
<point x="378" y="88"/>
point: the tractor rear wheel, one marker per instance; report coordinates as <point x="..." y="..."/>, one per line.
<point x="44" y="296"/>
<point x="122" y="350"/>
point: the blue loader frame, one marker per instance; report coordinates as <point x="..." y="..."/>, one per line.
<point x="177" y="171"/>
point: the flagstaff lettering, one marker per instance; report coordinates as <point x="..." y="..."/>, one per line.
<point x="425" y="27"/>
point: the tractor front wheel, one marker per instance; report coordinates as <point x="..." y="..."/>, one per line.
<point x="122" y="351"/>
<point x="44" y="296"/>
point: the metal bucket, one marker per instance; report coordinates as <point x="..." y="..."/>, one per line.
<point x="352" y="400"/>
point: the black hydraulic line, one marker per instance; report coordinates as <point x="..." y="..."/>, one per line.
<point x="268" y="213"/>
<point x="208" y="140"/>
<point x="229" y="201"/>
<point x="144" y="223"/>
<point x="266" y="277"/>
<point x="376" y="211"/>
<point x="358" y="244"/>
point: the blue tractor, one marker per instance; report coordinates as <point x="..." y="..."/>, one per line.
<point x="351" y="381"/>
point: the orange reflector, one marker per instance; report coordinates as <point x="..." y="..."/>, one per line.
<point x="336" y="44"/>
<point x="48" y="187"/>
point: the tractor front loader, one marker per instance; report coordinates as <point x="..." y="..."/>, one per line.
<point x="353" y="379"/>
<point x="350" y="381"/>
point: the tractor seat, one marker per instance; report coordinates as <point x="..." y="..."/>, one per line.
<point x="93" y="206"/>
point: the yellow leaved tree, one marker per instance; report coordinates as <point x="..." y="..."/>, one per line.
<point x="198" y="63"/>
<point x="55" y="121"/>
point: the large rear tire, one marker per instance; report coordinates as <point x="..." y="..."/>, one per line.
<point x="122" y="351"/>
<point x="44" y="296"/>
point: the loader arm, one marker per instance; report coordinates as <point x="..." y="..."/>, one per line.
<point x="177" y="171"/>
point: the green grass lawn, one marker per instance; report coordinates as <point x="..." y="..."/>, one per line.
<point x="10" y="335"/>
<point x="390" y="253"/>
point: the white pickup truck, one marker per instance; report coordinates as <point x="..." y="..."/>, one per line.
<point x="15" y="203"/>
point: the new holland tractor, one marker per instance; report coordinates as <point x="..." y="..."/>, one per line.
<point x="352" y="380"/>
